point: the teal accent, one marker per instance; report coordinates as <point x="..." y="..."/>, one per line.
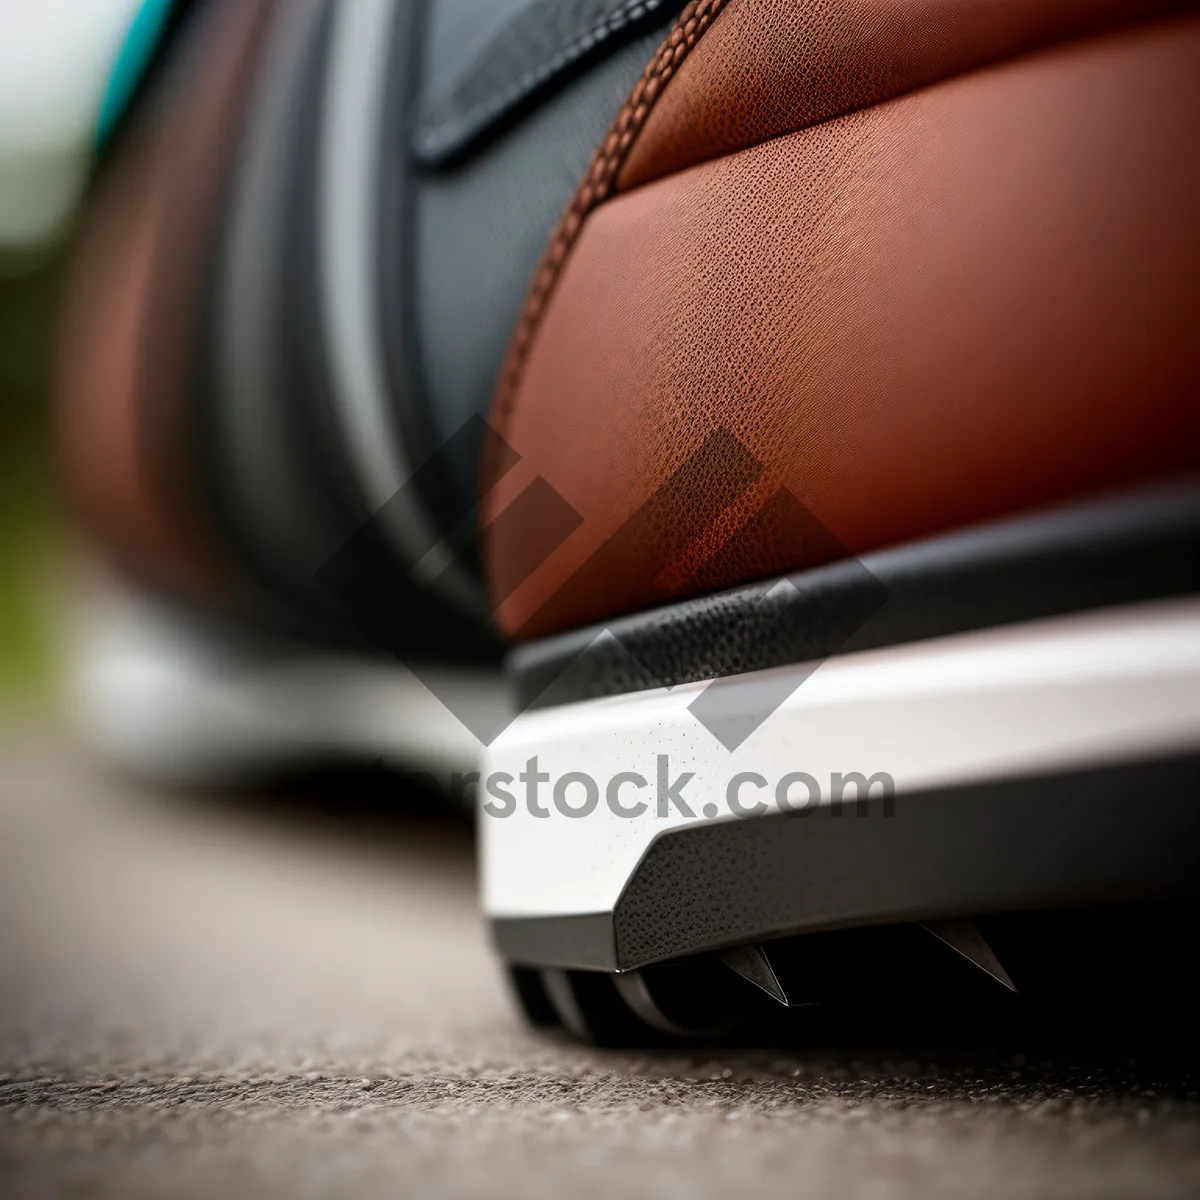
<point x="139" y="44"/>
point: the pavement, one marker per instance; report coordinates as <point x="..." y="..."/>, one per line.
<point x="293" y="995"/>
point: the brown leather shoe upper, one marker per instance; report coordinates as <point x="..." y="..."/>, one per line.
<point x="928" y="263"/>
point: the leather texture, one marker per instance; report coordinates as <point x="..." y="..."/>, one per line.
<point x="768" y="68"/>
<point x="967" y="301"/>
<point x="128" y="343"/>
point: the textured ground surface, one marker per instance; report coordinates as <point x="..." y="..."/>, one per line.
<point x="204" y="1000"/>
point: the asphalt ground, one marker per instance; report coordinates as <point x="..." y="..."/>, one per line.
<point x="291" y="994"/>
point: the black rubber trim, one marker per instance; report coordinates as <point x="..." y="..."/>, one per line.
<point x="541" y="47"/>
<point x="1103" y="835"/>
<point x="1113" y="551"/>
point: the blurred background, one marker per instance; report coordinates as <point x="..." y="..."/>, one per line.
<point x="33" y="544"/>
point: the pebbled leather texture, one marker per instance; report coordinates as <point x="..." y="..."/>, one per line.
<point x="768" y="68"/>
<point x="968" y="301"/>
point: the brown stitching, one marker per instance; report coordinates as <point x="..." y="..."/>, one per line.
<point x="597" y="186"/>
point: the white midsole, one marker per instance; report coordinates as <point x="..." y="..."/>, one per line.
<point x="1086" y="689"/>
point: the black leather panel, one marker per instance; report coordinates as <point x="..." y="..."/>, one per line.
<point x="1114" y="551"/>
<point x="501" y="60"/>
<point x="479" y="230"/>
<point x="413" y="51"/>
<point x="459" y="241"/>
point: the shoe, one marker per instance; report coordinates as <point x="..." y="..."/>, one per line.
<point x="861" y="375"/>
<point x="831" y="496"/>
